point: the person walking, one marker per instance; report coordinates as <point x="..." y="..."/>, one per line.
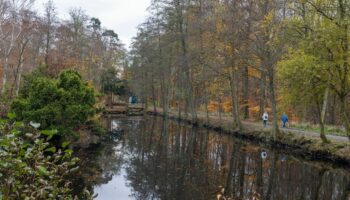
<point x="284" y="119"/>
<point x="265" y="118"/>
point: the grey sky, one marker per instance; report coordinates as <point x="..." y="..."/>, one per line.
<point x="123" y="16"/>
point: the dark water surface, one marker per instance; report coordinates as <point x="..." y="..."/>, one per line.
<point x="149" y="158"/>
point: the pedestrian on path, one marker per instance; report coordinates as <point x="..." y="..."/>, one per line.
<point x="265" y="118"/>
<point x="284" y="119"/>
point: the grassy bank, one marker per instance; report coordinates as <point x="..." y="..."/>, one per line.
<point x="304" y="145"/>
<point x="329" y="130"/>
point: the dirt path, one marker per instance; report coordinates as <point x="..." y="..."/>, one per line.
<point x="259" y="126"/>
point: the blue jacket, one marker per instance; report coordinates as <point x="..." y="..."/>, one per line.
<point x="284" y="118"/>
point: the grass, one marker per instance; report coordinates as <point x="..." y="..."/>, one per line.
<point x="329" y="130"/>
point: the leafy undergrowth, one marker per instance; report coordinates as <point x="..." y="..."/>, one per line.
<point x="32" y="169"/>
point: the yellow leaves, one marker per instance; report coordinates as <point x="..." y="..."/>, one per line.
<point x="252" y="72"/>
<point x="268" y="19"/>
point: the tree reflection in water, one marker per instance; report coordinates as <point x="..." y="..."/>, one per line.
<point x="99" y="163"/>
<point x="166" y="159"/>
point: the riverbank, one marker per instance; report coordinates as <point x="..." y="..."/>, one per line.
<point x="300" y="143"/>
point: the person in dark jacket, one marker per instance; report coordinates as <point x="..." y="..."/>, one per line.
<point x="284" y="119"/>
<point x="133" y="99"/>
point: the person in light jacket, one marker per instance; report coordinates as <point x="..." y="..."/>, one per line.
<point x="265" y="118"/>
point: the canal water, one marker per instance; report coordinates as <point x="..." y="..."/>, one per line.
<point x="147" y="158"/>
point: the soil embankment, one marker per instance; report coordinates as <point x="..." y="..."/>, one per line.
<point x="299" y="143"/>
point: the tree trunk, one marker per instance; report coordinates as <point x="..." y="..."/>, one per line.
<point x="246" y="92"/>
<point x="202" y="61"/>
<point x="332" y="112"/>
<point x="19" y="75"/>
<point x="178" y="95"/>
<point x="20" y="65"/>
<point x="4" y="77"/>
<point x="262" y="94"/>
<point x="344" y="115"/>
<point x="8" y="53"/>
<point x="234" y="98"/>
<point x="163" y="86"/>
<point x="154" y="98"/>
<point x="274" y="129"/>
<point x="322" y="116"/>
<point x="206" y="107"/>
<point x="185" y="67"/>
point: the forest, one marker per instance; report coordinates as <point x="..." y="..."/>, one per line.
<point x="223" y="66"/>
<point x="245" y="57"/>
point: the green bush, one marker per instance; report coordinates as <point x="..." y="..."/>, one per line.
<point x="63" y="104"/>
<point x="30" y="168"/>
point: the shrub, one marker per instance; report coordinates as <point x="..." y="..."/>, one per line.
<point x="64" y="103"/>
<point x="30" y="168"/>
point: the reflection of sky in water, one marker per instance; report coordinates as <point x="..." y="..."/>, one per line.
<point x="116" y="189"/>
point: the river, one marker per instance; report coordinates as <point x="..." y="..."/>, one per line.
<point x="146" y="158"/>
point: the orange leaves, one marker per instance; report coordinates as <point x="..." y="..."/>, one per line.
<point x="226" y="105"/>
<point x="252" y="72"/>
<point x="213" y="106"/>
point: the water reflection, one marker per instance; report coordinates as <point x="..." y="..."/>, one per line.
<point x="159" y="159"/>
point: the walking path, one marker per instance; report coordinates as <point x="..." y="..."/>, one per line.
<point x="298" y="131"/>
<point x="259" y="126"/>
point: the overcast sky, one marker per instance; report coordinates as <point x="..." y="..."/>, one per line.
<point x="123" y="16"/>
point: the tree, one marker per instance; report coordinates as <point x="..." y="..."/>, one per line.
<point x="112" y="84"/>
<point x="50" y="19"/>
<point x="299" y="75"/>
<point x="324" y="29"/>
<point x="268" y="48"/>
<point x="11" y="29"/>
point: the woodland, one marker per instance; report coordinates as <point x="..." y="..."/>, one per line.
<point x="245" y="57"/>
<point x="199" y="59"/>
